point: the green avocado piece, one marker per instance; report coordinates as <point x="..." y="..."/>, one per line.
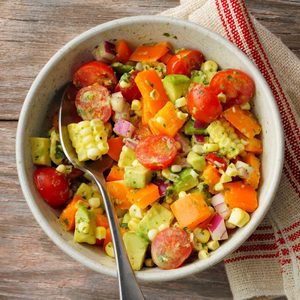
<point x="40" y="151"/>
<point x="120" y="68"/>
<point x="87" y="192"/>
<point x="176" y="85"/>
<point x="196" y="161"/>
<point x="127" y="156"/>
<point x="137" y="177"/>
<point x="85" y="226"/>
<point x="186" y="180"/>
<point x="56" y="151"/>
<point x="136" y="248"/>
<point x="157" y="215"/>
<point x="189" y="128"/>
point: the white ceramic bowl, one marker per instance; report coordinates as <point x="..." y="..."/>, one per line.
<point x="137" y="30"/>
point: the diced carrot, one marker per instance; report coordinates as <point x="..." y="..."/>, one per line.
<point x="243" y="121"/>
<point x="101" y="220"/>
<point x="190" y="210"/>
<point x="164" y="59"/>
<point x="166" y="121"/>
<point x="254" y="145"/>
<point x="211" y="176"/>
<point x="144" y="196"/>
<point x="154" y="96"/>
<point x="123" y="51"/>
<point x="254" y="176"/>
<point x="118" y="192"/>
<point x="151" y="53"/>
<point x="67" y="217"/>
<point x="115" y="145"/>
<point x="238" y="194"/>
<point x="115" y="173"/>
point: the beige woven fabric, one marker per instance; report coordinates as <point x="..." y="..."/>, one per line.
<point x="268" y="264"/>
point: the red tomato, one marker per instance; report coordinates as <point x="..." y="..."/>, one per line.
<point x="53" y="186"/>
<point x="156" y="152"/>
<point x="95" y="72"/>
<point x="203" y="103"/>
<point x="184" y="62"/>
<point x="93" y="102"/>
<point x="170" y="248"/>
<point x="238" y="87"/>
<point x="131" y="91"/>
<point x="216" y="160"/>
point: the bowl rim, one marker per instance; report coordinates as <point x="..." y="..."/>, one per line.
<point x="161" y="275"/>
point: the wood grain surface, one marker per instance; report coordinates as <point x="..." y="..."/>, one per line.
<point x="31" y="31"/>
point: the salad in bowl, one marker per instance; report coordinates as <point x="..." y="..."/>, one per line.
<point x="184" y="146"/>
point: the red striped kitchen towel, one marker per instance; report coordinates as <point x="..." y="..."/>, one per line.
<point x="268" y="264"/>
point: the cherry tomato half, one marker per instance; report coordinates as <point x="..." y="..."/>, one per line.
<point x="93" y="102"/>
<point x="184" y="62"/>
<point x="131" y="91"/>
<point x="170" y="248"/>
<point x="216" y="160"/>
<point x="238" y="87"/>
<point x="203" y="104"/>
<point x="53" y="186"/>
<point x="156" y="152"/>
<point x="95" y="72"/>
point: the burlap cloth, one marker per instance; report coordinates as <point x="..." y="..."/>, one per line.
<point x="268" y="264"/>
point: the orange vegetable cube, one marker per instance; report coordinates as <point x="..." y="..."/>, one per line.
<point x="115" y="145"/>
<point x="150" y="53"/>
<point x="211" y="177"/>
<point x="166" y="121"/>
<point x="254" y="176"/>
<point x="190" y="210"/>
<point x="243" y="121"/>
<point x="238" y="194"/>
<point x="115" y="173"/>
<point x="144" y="196"/>
<point x="118" y="191"/>
<point x="254" y="145"/>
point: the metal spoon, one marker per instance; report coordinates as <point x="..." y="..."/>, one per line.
<point x="128" y="286"/>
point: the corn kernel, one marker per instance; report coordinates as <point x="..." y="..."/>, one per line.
<point x="229" y="225"/>
<point x="61" y="169"/>
<point x="222" y="97"/>
<point x="239" y="217"/>
<point x="149" y="263"/>
<point x="181" y="116"/>
<point x="176" y="168"/>
<point x="246" y="106"/>
<point x="135" y="212"/>
<point x="219" y="187"/>
<point x="124" y="84"/>
<point x="231" y="170"/>
<point x="225" y="178"/>
<point x="94" y="202"/>
<point x="198" y="149"/>
<point x="213" y="245"/>
<point x="152" y="234"/>
<point x="180" y="102"/>
<point x="202" y="235"/>
<point x="133" y="223"/>
<point x="209" y="66"/>
<point x="210" y="147"/>
<point x="182" y="194"/>
<point x="203" y="254"/>
<point x="109" y="249"/>
<point x="100" y="232"/>
<point x="136" y="105"/>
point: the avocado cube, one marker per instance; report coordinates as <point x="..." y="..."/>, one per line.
<point x="187" y="180"/>
<point x="176" y="85"/>
<point x="137" y="177"/>
<point x="56" y="151"/>
<point x="189" y="128"/>
<point x="127" y="156"/>
<point x="40" y="151"/>
<point x="136" y="248"/>
<point x="87" y="192"/>
<point x="85" y="226"/>
<point x="196" y="161"/>
<point x="157" y="215"/>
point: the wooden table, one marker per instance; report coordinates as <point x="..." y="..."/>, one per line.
<point x="31" y="266"/>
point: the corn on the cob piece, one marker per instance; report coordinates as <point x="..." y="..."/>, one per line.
<point x="89" y="138"/>
<point x="223" y="134"/>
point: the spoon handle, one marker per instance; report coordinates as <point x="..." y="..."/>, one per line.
<point x="128" y="286"/>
